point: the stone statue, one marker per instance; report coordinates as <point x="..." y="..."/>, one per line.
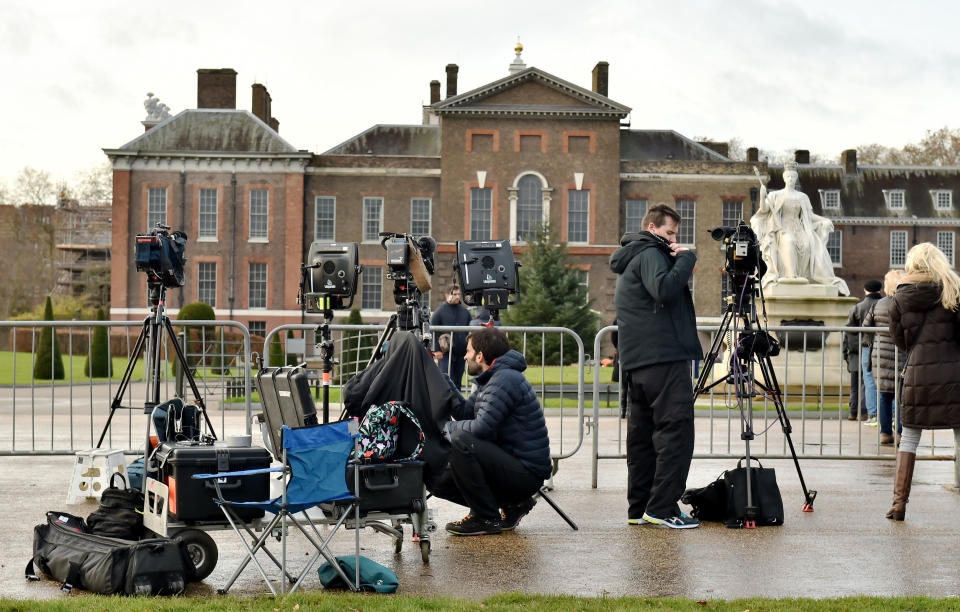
<point x="156" y="110"/>
<point x="793" y="240"/>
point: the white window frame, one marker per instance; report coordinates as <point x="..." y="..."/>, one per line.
<point x="571" y="193"/>
<point x="947" y="243"/>
<point x="265" y="214"/>
<point x="475" y="213"/>
<point x="830" y="199"/>
<point x="942" y="199"/>
<point x="368" y="219"/>
<point x="528" y="178"/>
<point x="896" y="199"/>
<point x="372" y="277"/>
<point x="632" y="223"/>
<point x="205" y="232"/>
<point x="838" y="262"/>
<point x="897" y="236"/>
<point x="727" y="219"/>
<point x="429" y="219"/>
<point x="156" y="206"/>
<point x="201" y="280"/>
<point x="250" y="285"/>
<point x="686" y="222"/>
<point x="254" y="326"/>
<point x="332" y="200"/>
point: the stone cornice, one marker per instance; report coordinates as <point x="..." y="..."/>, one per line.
<point x="678" y="177"/>
<point x="384" y="171"/>
<point x="213" y="162"/>
<point x="897" y="221"/>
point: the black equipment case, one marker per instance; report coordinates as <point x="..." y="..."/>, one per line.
<point x="285" y="394"/>
<point x="192" y="500"/>
<point x="390" y="487"/>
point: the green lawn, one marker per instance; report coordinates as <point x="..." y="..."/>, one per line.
<point x="507" y="602"/>
<point x="24" y="365"/>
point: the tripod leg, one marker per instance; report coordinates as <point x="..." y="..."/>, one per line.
<point x="182" y="360"/>
<point x="125" y="381"/>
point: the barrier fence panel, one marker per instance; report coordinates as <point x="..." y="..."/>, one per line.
<point x="47" y="412"/>
<point x="815" y="385"/>
<point x="555" y="367"/>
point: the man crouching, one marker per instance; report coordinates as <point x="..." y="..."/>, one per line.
<point x="501" y="451"/>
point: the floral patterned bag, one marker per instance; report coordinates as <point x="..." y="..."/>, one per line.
<point x="380" y="429"/>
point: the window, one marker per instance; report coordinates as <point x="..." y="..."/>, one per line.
<point x="372" y="219"/>
<point x="324" y="227"/>
<point x="635" y="211"/>
<point x="578" y="215"/>
<point x="371" y="292"/>
<point x="726" y="288"/>
<point x="529" y="207"/>
<point x="481" y="212"/>
<point x="896" y="198"/>
<point x="942" y="199"/>
<point x="687" y="210"/>
<point x="259" y="213"/>
<point x="257" y="328"/>
<point x="258" y="285"/>
<point x="830" y="199"/>
<point x="207" y="224"/>
<point x="420" y="216"/>
<point x="584" y="281"/>
<point x="835" y="247"/>
<point x="898" y="248"/>
<point x="207" y="283"/>
<point x="945" y="242"/>
<point x="156" y="207"/>
<point x="731" y="213"/>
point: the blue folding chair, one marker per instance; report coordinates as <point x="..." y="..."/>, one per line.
<point x="314" y="472"/>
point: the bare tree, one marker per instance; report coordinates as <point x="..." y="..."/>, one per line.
<point x="4" y="193"/>
<point x="34" y="186"/>
<point x="94" y="186"/>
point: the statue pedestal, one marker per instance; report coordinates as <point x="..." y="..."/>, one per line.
<point x="798" y="370"/>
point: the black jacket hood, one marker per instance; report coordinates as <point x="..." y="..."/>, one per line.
<point x="633" y="243"/>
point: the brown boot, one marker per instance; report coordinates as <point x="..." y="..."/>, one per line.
<point x="901" y="485"/>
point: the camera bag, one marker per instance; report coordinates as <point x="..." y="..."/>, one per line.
<point x="65" y="552"/>
<point x="120" y="514"/>
<point x="709" y="503"/>
<point x="764" y="491"/>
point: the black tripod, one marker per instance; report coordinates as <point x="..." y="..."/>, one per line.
<point x="149" y="342"/>
<point x="749" y="344"/>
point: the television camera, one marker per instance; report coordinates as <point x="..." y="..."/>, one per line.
<point x="742" y="260"/>
<point x="161" y="254"/>
<point x="410" y="264"/>
<point x="328" y="281"/>
<point x="487" y="274"/>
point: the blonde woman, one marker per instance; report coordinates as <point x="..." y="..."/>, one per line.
<point x="884" y="357"/>
<point x="925" y="322"/>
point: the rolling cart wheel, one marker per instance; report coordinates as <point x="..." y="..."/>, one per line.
<point x="425" y="550"/>
<point x="202" y="549"/>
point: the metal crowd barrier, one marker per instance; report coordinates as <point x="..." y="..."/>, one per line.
<point x="66" y="415"/>
<point x="817" y="412"/>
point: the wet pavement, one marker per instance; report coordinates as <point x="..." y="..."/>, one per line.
<point x="845" y="547"/>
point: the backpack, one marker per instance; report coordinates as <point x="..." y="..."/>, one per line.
<point x="120" y="514"/>
<point x="373" y="576"/>
<point x="380" y="429"/>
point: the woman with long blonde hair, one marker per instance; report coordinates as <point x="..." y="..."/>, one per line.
<point x="925" y="322"/>
<point x="884" y="358"/>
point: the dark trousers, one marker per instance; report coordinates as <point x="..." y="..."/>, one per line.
<point x="854" y="393"/>
<point x="454" y="367"/>
<point x="659" y="438"/>
<point x="487" y="477"/>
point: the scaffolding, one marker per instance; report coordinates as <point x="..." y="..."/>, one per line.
<point x="83" y="237"/>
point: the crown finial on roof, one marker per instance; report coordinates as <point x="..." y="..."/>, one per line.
<point x="517" y="65"/>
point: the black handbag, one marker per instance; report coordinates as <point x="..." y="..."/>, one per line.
<point x="764" y="492"/>
<point x="120" y="514"/>
<point x="708" y="503"/>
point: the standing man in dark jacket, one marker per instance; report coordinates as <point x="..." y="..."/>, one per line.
<point x="501" y="451"/>
<point x="658" y="340"/>
<point x="851" y="355"/>
<point x="868" y="386"/>
<point x="452" y="312"/>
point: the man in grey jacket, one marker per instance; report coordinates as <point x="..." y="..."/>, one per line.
<point x="657" y="341"/>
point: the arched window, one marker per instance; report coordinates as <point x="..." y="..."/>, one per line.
<point x="529" y="207"/>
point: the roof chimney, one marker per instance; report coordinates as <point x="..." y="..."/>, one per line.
<point x="452" y="71"/>
<point x="600" y="78"/>
<point x="216" y="88"/>
<point x="848" y="159"/>
<point x="434" y="92"/>
<point x="801" y="156"/>
<point x="259" y="105"/>
<point x="753" y="154"/>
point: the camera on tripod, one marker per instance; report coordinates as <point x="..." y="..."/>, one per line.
<point x="328" y="280"/>
<point x="487" y="273"/>
<point x="408" y="258"/>
<point x="161" y="254"/>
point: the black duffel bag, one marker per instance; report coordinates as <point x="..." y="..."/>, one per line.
<point x="764" y="492"/>
<point x="120" y="514"/>
<point x="66" y="553"/>
<point x="708" y="503"/>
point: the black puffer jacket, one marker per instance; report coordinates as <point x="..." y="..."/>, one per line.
<point x="504" y="409"/>
<point x="654" y="306"/>
<point x="884" y="356"/>
<point x="931" y="386"/>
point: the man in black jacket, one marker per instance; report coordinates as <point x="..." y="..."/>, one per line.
<point x="860" y="345"/>
<point x="657" y="341"/>
<point x="452" y="312"/>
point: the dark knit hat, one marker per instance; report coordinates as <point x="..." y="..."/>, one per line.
<point x="873" y="286"/>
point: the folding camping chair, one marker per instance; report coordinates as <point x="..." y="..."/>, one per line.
<point x="314" y="467"/>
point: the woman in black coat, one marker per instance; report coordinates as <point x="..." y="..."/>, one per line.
<point x="884" y="357"/>
<point x="925" y="321"/>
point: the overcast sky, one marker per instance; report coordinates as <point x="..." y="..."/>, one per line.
<point x="824" y="76"/>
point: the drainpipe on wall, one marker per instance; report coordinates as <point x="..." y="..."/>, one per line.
<point x="183" y="219"/>
<point x="233" y="239"/>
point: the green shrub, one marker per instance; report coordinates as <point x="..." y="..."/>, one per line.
<point x="48" y="350"/>
<point x="292" y="358"/>
<point x="196" y="336"/>
<point x="98" y="360"/>
<point x="357" y="347"/>
<point x="276" y="357"/>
